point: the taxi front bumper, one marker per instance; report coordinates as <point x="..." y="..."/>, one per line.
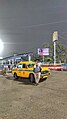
<point x="42" y="76"/>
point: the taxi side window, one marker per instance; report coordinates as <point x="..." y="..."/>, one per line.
<point x="30" y="65"/>
<point x="19" y="66"/>
<point x="24" y="66"/>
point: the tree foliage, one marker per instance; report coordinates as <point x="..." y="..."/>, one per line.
<point x="61" y="51"/>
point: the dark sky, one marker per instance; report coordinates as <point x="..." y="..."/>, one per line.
<point x="26" y="25"/>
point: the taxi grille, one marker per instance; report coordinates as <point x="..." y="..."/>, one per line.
<point x="45" y="72"/>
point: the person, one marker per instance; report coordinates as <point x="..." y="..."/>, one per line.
<point x="37" y="72"/>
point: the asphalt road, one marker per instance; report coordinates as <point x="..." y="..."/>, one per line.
<point x="22" y="100"/>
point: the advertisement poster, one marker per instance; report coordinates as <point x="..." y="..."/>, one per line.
<point x="43" y="51"/>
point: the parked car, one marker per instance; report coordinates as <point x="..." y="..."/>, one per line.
<point x="25" y="69"/>
<point x="65" y="67"/>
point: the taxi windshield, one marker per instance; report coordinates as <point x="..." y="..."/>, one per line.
<point x="30" y="65"/>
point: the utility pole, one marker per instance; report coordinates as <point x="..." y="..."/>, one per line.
<point x="55" y="53"/>
<point x="29" y="57"/>
<point x="55" y="38"/>
<point x="43" y="59"/>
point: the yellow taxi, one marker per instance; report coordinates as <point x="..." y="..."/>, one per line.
<point x="25" y="69"/>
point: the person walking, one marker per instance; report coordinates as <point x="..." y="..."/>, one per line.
<point x="37" y="72"/>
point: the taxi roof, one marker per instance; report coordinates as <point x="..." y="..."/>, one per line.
<point x="26" y="62"/>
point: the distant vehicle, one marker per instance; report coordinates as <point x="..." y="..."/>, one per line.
<point x="25" y="69"/>
<point x="59" y="68"/>
<point x="65" y="67"/>
<point x="62" y="67"/>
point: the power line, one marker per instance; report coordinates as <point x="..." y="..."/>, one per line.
<point x="50" y="23"/>
<point x="62" y="37"/>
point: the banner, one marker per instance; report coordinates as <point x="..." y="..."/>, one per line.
<point x="43" y="51"/>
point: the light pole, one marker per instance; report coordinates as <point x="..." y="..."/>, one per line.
<point x="54" y="52"/>
<point x="55" y="38"/>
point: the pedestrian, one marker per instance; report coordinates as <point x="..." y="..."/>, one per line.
<point x="37" y="71"/>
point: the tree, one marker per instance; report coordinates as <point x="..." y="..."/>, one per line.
<point x="61" y="51"/>
<point x="36" y="56"/>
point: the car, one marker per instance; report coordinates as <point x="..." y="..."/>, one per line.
<point x="59" y="68"/>
<point x="65" y="67"/>
<point x="25" y="69"/>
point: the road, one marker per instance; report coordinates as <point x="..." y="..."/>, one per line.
<point x="22" y="100"/>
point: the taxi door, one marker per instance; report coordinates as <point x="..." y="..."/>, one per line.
<point x="20" y="70"/>
<point x="25" y="71"/>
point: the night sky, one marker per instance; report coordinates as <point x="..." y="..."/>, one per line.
<point x="26" y="25"/>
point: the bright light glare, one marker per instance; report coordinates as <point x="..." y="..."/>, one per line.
<point x="1" y="46"/>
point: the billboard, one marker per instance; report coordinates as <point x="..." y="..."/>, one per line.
<point x="43" y="51"/>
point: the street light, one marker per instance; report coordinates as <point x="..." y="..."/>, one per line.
<point x="55" y="38"/>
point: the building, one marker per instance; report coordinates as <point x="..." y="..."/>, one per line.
<point x="15" y="58"/>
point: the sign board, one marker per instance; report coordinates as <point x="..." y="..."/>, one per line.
<point x="43" y="51"/>
<point x="55" y="36"/>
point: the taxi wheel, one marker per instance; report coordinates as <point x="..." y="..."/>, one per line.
<point x="31" y="78"/>
<point x="15" y="76"/>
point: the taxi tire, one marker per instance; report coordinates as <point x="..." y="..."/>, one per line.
<point x="31" y="78"/>
<point x="15" y="76"/>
